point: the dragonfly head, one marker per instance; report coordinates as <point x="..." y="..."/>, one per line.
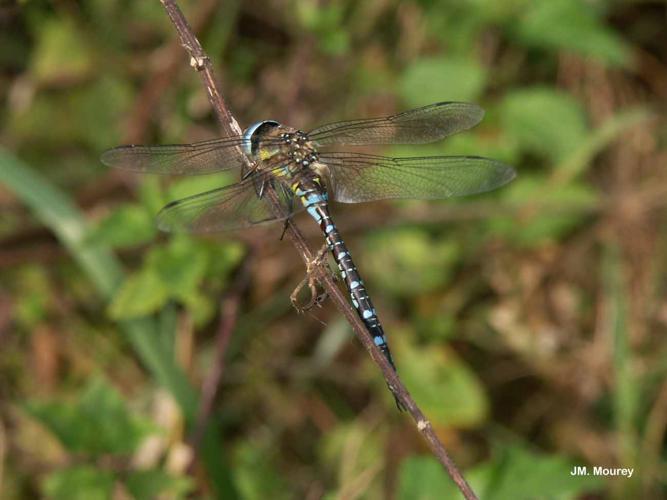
<point x="253" y="135"/>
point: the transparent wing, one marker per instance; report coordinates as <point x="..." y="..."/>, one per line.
<point x="232" y="207"/>
<point x="179" y="159"/>
<point x="357" y="178"/>
<point x="418" y="126"/>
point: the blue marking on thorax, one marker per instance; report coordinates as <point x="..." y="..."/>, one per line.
<point x="367" y="314"/>
<point x="313" y="199"/>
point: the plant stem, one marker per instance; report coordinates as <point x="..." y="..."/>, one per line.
<point x="202" y="64"/>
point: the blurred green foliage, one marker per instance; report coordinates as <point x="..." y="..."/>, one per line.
<point x="100" y="425"/>
<point x="428" y="79"/>
<point x="97" y="423"/>
<point x="530" y="315"/>
<point x="514" y="472"/>
<point x="175" y="272"/>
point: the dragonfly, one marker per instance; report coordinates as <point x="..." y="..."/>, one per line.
<point x="302" y="174"/>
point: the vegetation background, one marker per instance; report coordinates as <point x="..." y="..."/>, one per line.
<point x="529" y="323"/>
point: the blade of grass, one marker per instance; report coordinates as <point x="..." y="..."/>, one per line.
<point x="56" y="211"/>
<point x="625" y="394"/>
<point x="580" y="159"/>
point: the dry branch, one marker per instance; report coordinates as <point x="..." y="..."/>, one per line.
<point x="202" y="64"/>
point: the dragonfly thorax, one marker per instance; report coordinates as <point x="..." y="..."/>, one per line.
<point x="269" y="140"/>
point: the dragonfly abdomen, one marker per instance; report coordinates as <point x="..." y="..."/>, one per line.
<point x="314" y="200"/>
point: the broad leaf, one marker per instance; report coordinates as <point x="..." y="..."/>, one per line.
<point x="96" y="424"/>
<point x="571" y="25"/>
<point x="442" y="384"/>
<point x="442" y="79"/>
<point x="543" y="121"/>
<point x="83" y="482"/>
<point x="150" y="484"/>
<point x="140" y="294"/>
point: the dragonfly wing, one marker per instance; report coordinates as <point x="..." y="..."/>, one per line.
<point x="232" y="207"/>
<point x="417" y="126"/>
<point x="179" y="159"/>
<point x="357" y="178"/>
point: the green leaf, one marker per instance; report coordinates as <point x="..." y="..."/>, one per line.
<point x="326" y="23"/>
<point x="126" y="226"/>
<point x="543" y="121"/>
<point x="256" y="473"/>
<point x="224" y="257"/>
<point x="55" y="210"/>
<point x="151" y="195"/>
<point x="445" y="388"/>
<point x="98" y="104"/>
<point x="61" y="52"/>
<point x="101" y="106"/>
<point x="571" y="25"/>
<point x="97" y="423"/>
<point x="180" y="266"/>
<point x="150" y="484"/>
<point x="83" y="482"/>
<point x="516" y="473"/>
<point x="196" y="184"/>
<point x="423" y="478"/>
<point x="437" y="79"/>
<point x="201" y="306"/>
<point x="548" y="214"/>
<point x="141" y="294"/>
<point x="459" y="25"/>
<point x="176" y="272"/>
<point x="408" y="261"/>
<point x="32" y="296"/>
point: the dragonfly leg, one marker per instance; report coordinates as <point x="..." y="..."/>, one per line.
<point x="290" y="208"/>
<point x="316" y="298"/>
<point x="285" y="226"/>
<point x="399" y="405"/>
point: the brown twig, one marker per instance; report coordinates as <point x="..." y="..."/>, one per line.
<point x="202" y="64"/>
